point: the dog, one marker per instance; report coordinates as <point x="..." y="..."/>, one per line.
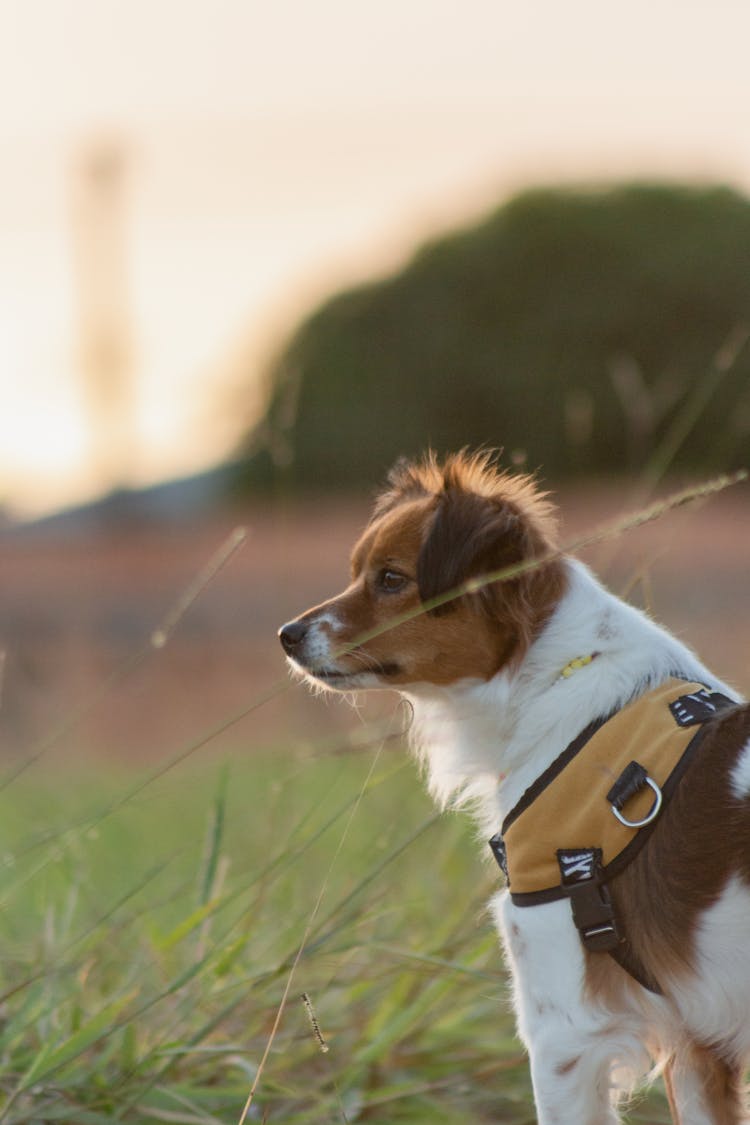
<point x="513" y="657"/>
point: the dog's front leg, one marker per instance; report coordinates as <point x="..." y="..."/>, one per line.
<point x="571" y="1078"/>
<point x="569" y="1040"/>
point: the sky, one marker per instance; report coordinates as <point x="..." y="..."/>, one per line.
<point x="272" y="153"/>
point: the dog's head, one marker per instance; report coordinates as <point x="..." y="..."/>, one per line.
<point x="434" y="529"/>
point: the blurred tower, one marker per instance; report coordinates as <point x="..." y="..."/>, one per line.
<point x="104" y="314"/>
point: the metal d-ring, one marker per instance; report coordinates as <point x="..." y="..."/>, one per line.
<point x="652" y="813"/>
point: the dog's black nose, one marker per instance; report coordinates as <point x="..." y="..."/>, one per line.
<point x="292" y="635"/>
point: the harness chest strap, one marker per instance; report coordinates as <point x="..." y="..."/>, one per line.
<point x="590" y="813"/>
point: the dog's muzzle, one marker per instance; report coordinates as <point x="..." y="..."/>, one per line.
<point x="310" y="650"/>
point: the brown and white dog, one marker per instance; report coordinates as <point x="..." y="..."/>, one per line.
<point x="502" y="680"/>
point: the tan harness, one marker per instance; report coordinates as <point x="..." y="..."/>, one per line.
<point x="593" y="809"/>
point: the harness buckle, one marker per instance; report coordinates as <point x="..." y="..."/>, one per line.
<point x="593" y="912"/>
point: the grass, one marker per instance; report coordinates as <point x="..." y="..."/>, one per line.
<point x="147" y="944"/>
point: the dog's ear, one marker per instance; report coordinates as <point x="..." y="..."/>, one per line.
<point x="473" y="535"/>
<point x="470" y="536"/>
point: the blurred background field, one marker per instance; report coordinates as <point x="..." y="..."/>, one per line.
<point x="248" y="256"/>
<point x="80" y="603"/>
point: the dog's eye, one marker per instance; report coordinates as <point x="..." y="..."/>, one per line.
<point x="390" y="581"/>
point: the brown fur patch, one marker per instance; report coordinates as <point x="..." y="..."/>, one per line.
<point x="439" y="526"/>
<point x="424" y="648"/>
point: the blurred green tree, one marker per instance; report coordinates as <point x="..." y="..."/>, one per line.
<point x="577" y="329"/>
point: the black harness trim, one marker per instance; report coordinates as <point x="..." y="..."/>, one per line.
<point x="583" y="878"/>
